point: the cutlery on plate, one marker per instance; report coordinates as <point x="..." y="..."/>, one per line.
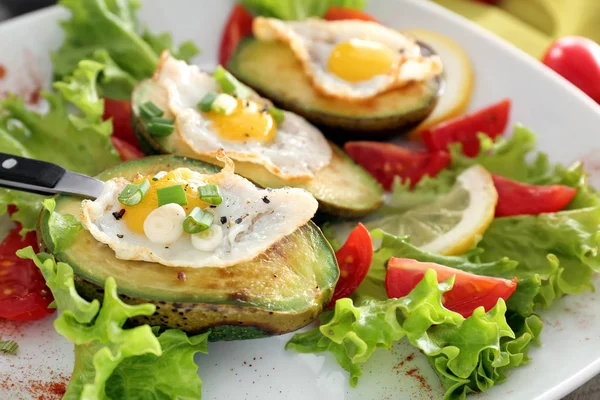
<point x="40" y="177"/>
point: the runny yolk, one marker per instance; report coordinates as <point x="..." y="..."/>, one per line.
<point x="135" y="216"/>
<point x="360" y="60"/>
<point x="250" y="120"/>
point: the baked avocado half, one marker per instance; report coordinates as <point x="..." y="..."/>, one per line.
<point x="281" y="290"/>
<point x="272" y="69"/>
<point x="342" y="188"/>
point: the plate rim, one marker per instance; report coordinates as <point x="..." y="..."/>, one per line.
<point x="586" y="373"/>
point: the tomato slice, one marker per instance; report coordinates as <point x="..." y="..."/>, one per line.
<point x="491" y="120"/>
<point x="469" y="291"/>
<point x="120" y="112"/>
<point x="516" y="198"/>
<point x="385" y="161"/>
<point x="354" y="259"/>
<point x="342" y="13"/>
<point x="24" y="295"/>
<point x="126" y="150"/>
<point x="238" y="26"/>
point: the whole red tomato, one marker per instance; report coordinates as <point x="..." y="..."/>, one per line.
<point x="577" y="59"/>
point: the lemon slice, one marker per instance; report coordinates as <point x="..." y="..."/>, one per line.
<point x="458" y="75"/>
<point x="452" y="224"/>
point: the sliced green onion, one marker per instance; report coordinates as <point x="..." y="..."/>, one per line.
<point x="159" y="175"/>
<point x="198" y="221"/>
<point x="224" y="104"/>
<point x="9" y="347"/>
<point x="277" y="114"/>
<point x="134" y="193"/>
<point x="160" y="127"/>
<point x="230" y="85"/>
<point x="210" y="194"/>
<point x="207" y="102"/>
<point x="150" y="110"/>
<point x="171" y="194"/>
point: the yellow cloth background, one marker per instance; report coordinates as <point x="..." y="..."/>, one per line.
<point x="532" y="25"/>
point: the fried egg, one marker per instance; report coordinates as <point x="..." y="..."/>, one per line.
<point x="291" y="150"/>
<point x="246" y="223"/>
<point x="351" y="60"/>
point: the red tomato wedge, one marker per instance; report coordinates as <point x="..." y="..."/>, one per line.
<point x="342" y="13"/>
<point x="469" y="291"/>
<point x="354" y="259"/>
<point x="126" y="150"/>
<point x="24" y="295"/>
<point x="238" y="26"/>
<point x="385" y="161"/>
<point x="120" y="112"/>
<point x="491" y="120"/>
<point x="516" y="198"/>
<point x="577" y="59"/>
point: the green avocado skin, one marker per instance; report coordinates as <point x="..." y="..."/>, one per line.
<point x="343" y="188"/>
<point x="236" y="323"/>
<point x="272" y="69"/>
<point x="280" y="291"/>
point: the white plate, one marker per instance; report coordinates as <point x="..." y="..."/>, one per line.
<point x="564" y="118"/>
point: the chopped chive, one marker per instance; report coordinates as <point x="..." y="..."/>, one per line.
<point x="210" y="194"/>
<point x="133" y="193"/>
<point x="9" y="347"/>
<point x="230" y="85"/>
<point x="171" y="194"/>
<point x="159" y="175"/>
<point x="160" y="127"/>
<point x="224" y="104"/>
<point x="198" y="221"/>
<point x="277" y="114"/>
<point x="150" y="110"/>
<point x="207" y="102"/>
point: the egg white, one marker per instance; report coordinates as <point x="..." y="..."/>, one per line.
<point x="313" y="40"/>
<point x="298" y="151"/>
<point x="255" y="220"/>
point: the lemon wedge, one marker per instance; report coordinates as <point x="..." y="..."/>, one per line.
<point x="454" y="223"/>
<point x="458" y="75"/>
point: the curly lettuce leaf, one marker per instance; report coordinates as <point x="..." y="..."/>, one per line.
<point x="560" y="248"/>
<point x="297" y="10"/>
<point x="493" y="363"/>
<point x="507" y="157"/>
<point x="112" y="362"/>
<point x="78" y="142"/>
<point x="62" y="227"/>
<point x="464" y="352"/>
<point x="510" y="159"/>
<point x="108" y="31"/>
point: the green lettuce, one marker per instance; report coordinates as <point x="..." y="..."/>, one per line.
<point x="79" y="142"/>
<point x="108" y="31"/>
<point x="112" y="362"/>
<point x="62" y="227"/>
<point x="297" y="10"/>
<point x="512" y="158"/>
<point x="559" y="251"/>
<point x="469" y="354"/>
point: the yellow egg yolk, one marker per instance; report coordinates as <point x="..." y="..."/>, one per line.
<point x="250" y="120"/>
<point x="360" y="60"/>
<point x="135" y="216"/>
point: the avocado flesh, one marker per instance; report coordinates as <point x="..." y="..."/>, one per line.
<point x="272" y="69"/>
<point x="279" y="291"/>
<point x="342" y="188"/>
